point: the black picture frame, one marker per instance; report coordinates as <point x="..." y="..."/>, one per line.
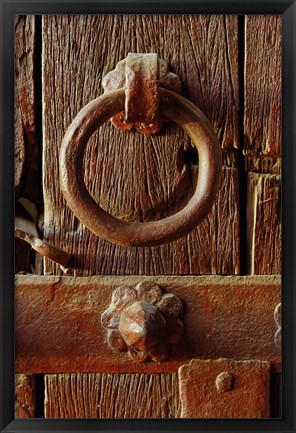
<point x="8" y="9"/>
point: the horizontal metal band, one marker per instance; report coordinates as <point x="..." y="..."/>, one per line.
<point x="58" y="325"/>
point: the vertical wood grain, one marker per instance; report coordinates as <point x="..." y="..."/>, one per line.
<point x="96" y="395"/>
<point x="262" y="120"/>
<point x="26" y="168"/>
<point x="262" y="144"/>
<point x="132" y="176"/>
<point x="25" y="148"/>
<point x="25" y="396"/>
<point x="26" y="158"/>
<point x="262" y="150"/>
<point x="264" y="224"/>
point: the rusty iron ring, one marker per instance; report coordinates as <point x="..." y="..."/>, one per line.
<point x="173" y="107"/>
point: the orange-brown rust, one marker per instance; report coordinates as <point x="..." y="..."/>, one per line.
<point x="145" y="322"/>
<point x="58" y="326"/>
<point x="246" y="390"/>
<point x="141" y="75"/>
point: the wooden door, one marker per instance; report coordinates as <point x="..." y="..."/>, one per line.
<point x="230" y="68"/>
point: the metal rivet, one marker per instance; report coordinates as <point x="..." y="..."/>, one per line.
<point x="143" y="321"/>
<point x="224" y="381"/>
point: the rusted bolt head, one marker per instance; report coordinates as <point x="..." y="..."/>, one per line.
<point x="142" y="325"/>
<point x="224" y="381"/>
<point x="116" y="341"/>
<point x="170" y="305"/>
<point x="123" y="296"/>
<point x="110" y="318"/>
<point x="149" y="292"/>
<point x="159" y="352"/>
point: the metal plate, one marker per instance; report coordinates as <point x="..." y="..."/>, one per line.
<point x="225" y="388"/>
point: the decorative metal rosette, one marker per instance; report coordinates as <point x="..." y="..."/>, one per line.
<point x="144" y="321"/>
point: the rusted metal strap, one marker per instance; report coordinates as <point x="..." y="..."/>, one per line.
<point x="141" y="88"/>
<point x="141" y="75"/>
<point x="58" y="322"/>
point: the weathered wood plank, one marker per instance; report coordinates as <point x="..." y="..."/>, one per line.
<point x="25" y="141"/>
<point x="58" y="322"/>
<point x="266" y="164"/>
<point x="26" y="156"/>
<point x="207" y="48"/>
<point x="100" y="395"/>
<point x="262" y="120"/>
<point x="212" y="248"/>
<point x="25" y="396"/>
<point x="72" y="395"/>
<point x="264" y="224"/>
<point x="262" y="150"/>
<point x="132" y="176"/>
